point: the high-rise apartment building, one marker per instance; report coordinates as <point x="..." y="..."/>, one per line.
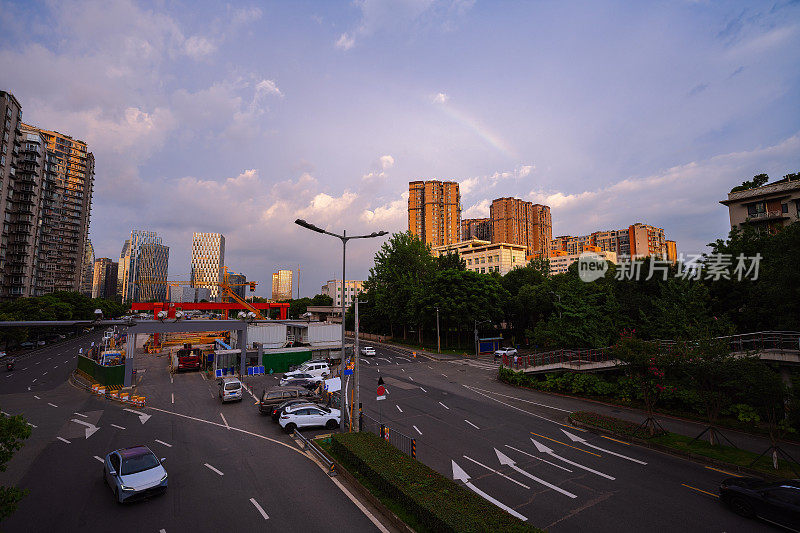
<point x="47" y="180"/>
<point x="476" y="228"/>
<point x="208" y="261"/>
<point x="334" y="289"/>
<point x="638" y="240"/>
<point x="516" y="221"/>
<point x="237" y="282"/>
<point x="282" y="285"/>
<point x="144" y="267"/>
<point x="87" y="276"/>
<point x="104" y="278"/>
<point x="434" y="211"/>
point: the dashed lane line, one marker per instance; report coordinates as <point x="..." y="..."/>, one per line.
<point x="164" y="443"/>
<point x="619" y="441"/>
<point x="51" y="404"/>
<point x="172" y="396"/>
<point x="213" y="469"/>
<point x="521" y="400"/>
<point x="226" y="422"/>
<point x="398" y="408"/>
<point x="443" y="405"/>
<point x="34" y="426"/>
<point x="36" y="397"/>
<point x="34" y="380"/>
<point x="724" y="472"/>
<point x="80" y="414"/>
<point x="99" y="459"/>
<point x="417" y="429"/>
<point x="259" y="508"/>
<point x="62" y="439"/>
<point x="423" y="390"/>
<point x="116" y="426"/>
<point x="471" y="424"/>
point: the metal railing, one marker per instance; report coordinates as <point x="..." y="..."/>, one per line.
<point x="402" y="442"/>
<point x="329" y="465"/>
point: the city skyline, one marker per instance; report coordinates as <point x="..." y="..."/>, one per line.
<point x="195" y="135"/>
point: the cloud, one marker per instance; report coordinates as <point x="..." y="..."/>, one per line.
<point x="345" y="42"/>
<point x="392" y="215"/>
<point x="197" y="47"/>
<point x="697" y="89"/>
<point x="478" y="210"/>
<point x="379" y="168"/>
<point x="440" y="98"/>
<point x="468" y="185"/>
<point x="267" y="87"/>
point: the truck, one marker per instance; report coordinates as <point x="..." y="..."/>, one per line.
<point x="186" y="358"/>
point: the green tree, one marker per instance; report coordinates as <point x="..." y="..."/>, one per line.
<point x="13" y="431"/>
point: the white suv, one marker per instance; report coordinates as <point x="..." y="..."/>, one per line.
<point x="230" y="389"/>
<point x="510" y="352"/>
<point x="368" y="351"/>
<point x="317" y="369"/>
<point x="308" y="415"/>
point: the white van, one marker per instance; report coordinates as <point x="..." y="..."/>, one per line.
<point x="318" y="369"/>
<point x="230" y="389"/>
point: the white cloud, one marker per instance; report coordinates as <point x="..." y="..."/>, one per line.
<point x="267" y="87"/>
<point x="440" y="98"/>
<point x="345" y="42"/>
<point x="379" y="168"/>
<point x="197" y="47"/>
<point x="392" y="216"/>
<point x="478" y="210"/>
<point x="482" y="183"/>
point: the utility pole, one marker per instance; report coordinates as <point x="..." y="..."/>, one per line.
<point x="298" y="282"/>
<point x="357" y="355"/>
<point x="438" y="339"/>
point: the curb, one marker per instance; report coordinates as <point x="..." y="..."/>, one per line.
<point x="367" y="495"/>
<point x="676" y="453"/>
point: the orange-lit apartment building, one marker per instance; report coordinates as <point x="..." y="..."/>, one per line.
<point x="637" y="240"/>
<point x="434" y="211"/>
<point x="476" y="228"/>
<point x="516" y="221"/>
<point x="561" y="260"/>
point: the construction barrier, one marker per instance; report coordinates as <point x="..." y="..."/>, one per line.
<point x="102" y="375"/>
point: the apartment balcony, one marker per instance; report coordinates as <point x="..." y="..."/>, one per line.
<point x="767" y="216"/>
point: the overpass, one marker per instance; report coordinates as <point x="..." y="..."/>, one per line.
<point x="774" y="346"/>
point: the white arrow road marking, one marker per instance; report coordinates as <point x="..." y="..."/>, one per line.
<point x="576" y="438"/>
<point x="471" y="424"/>
<point x="538" y="458"/>
<point x="62" y="439"/>
<point x="495" y="471"/>
<point x="164" y="443"/>
<point x="549" y="451"/>
<point x="258" y="507"/>
<point x="417" y="429"/>
<point x="460" y="475"/>
<point x="508" y="461"/>
<point x="143" y="417"/>
<point x="91" y="429"/>
<point x="213" y="469"/>
<point x="99" y="458"/>
<point x="116" y="426"/>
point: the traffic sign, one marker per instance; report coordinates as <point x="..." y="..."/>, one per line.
<point x="381" y="392"/>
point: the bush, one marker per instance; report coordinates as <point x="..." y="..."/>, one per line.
<point x="434" y="500"/>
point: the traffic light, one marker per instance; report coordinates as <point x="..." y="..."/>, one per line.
<point x="252" y="286"/>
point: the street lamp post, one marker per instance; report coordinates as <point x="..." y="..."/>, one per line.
<point x="559" y="302"/>
<point x="344" y="238"/>
<point x="438" y="339"/>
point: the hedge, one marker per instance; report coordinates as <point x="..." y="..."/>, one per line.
<point x="434" y="500"/>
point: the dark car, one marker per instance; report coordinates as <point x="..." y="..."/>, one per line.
<point x="777" y="502"/>
<point x="277" y="395"/>
<point x="278" y="409"/>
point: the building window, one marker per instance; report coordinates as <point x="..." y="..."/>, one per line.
<point x="483" y="270"/>
<point x="785" y="208"/>
<point x="756" y="208"/>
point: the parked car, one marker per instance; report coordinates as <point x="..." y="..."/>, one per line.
<point x="134" y="473"/>
<point x="27" y="344"/>
<point x="230" y="389"/>
<point x="2" y="355"/>
<point x="277" y="395"/>
<point x="318" y="369"/>
<point x="298" y="377"/>
<point x="368" y="351"/>
<point x="776" y="502"/>
<point x="308" y="415"/>
<point x="41" y="343"/>
<point x="308" y="383"/>
<point x="278" y="409"/>
<point x="510" y="352"/>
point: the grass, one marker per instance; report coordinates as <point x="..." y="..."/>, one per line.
<point x="682" y="443"/>
<point x="429" y="348"/>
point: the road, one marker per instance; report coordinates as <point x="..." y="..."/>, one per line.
<point x="459" y="413"/>
<point x="230" y="468"/>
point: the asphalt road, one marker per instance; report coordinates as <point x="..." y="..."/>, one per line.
<point x="459" y="412"/>
<point x="226" y="463"/>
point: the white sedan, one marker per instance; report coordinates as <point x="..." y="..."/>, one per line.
<point x="368" y="351"/>
<point x="309" y="415"/>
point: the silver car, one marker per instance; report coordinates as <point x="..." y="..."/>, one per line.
<point x="134" y="473"/>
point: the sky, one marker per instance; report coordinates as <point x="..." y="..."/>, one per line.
<point x="239" y="118"/>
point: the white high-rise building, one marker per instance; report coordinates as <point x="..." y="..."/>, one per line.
<point x="334" y="289"/>
<point x="208" y="261"/>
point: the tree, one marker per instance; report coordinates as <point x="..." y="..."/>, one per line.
<point x="13" y="430"/>
<point x="758" y="181"/>
<point x="450" y="261"/>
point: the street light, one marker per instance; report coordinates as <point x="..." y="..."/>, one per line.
<point x="344" y="238"/>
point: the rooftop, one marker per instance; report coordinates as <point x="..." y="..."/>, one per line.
<point x="781" y="187"/>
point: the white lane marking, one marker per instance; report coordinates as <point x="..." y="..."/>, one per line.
<point x="9" y="375"/>
<point x="99" y="459"/>
<point x="170" y="378"/>
<point x="514" y="406"/>
<point x="416" y="428"/>
<point x="164" y="443"/>
<point x="34" y="380"/>
<point x="143" y="417"/>
<point x="34" y="426"/>
<point x="398" y="408"/>
<point x="249" y="390"/>
<point x="203" y="375"/>
<point x="226" y="422"/>
<point x="55" y="367"/>
<point x="507" y="461"/>
<point x="37" y="362"/>
<point x="539" y="458"/>
<point x="443" y="405"/>
<point x="26" y="368"/>
<point x="172" y="395"/>
<point x="162" y="531"/>
<point x="3" y="412"/>
<point x="403" y="369"/>
<point x="429" y="366"/>
<point x="521" y="400"/>
<point x="80" y="414"/>
<point x="575" y="438"/>
<point x="445" y="375"/>
<point x="62" y="439"/>
<point x="49" y="358"/>
<point x="549" y="451"/>
<point x="409" y="377"/>
<point x="496" y="472"/>
<point x="260" y="510"/>
<point x="471" y="424"/>
<point x="36" y="397"/>
<point x="51" y="404"/>
<point x="358" y="503"/>
<point x="213" y="469"/>
<point x="116" y="426"/>
<point x="423" y="390"/>
<point x="44" y="374"/>
<point x="365" y="361"/>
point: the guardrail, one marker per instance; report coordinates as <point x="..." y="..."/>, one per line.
<point x="402" y="442"/>
<point x="321" y="456"/>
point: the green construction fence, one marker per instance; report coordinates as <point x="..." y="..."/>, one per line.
<point x="281" y="361"/>
<point x="103" y="375"/>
